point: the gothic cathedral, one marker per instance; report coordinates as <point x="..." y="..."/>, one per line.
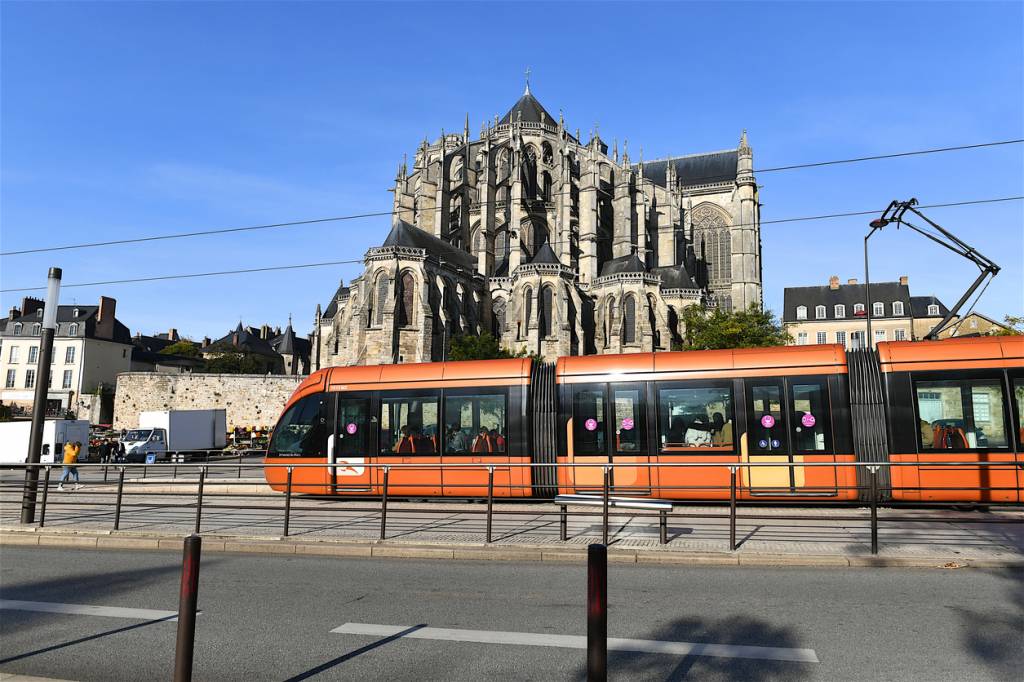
<point x="551" y="245"/>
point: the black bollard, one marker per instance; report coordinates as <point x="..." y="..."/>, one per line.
<point x="185" y="645"/>
<point x="597" y="613"/>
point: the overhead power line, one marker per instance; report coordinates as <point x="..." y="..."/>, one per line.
<point x="359" y="260"/>
<point x="296" y="223"/>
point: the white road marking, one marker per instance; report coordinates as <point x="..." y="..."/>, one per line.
<point x="86" y="610"/>
<point x="648" y="646"/>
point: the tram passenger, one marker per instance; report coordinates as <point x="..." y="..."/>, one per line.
<point x="498" y="440"/>
<point x="483" y="442"/>
<point x="721" y="430"/>
<point x="457" y="439"/>
<point x="699" y="433"/>
<point x="927" y="434"/>
<point x="404" y="443"/>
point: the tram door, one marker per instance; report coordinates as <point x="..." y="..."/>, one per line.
<point x="350" y="447"/>
<point x="609" y="427"/>
<point x="789" y="423"/>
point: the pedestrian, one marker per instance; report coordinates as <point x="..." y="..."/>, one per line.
<point x="71" y="451"/>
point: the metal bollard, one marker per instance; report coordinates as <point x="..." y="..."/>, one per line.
<point x="185" y="645"/>
<point x="199" y="499"/>
<point x="597" y="613"/>
<point x="607" y="486"/>
<point x="288" y="502"/>
<point x="490" y="499"/>
<point x="874" y="509"/>
<point x="663" y="527"/>
<point x="46" y="488"/>
<point x="563" y="524"/>
<point x="105" y="474"/>
<point x="732" y="509"/>
<point x="117" y="504"/>
<point x="384" y="504"/>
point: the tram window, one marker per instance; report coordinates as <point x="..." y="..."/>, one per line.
<point x="629" y="435"/>
<point x="353" y="427"/>
<point x="695" y="418"/>
<point x="1018" y="394"/>
<point x="408" y="425"/>
<point x="474" y="423"/>
<point x="304" y="429"/>
<point x="588" y="421"/>
<point x="809" y="408"/>
<point x="767" y="426"/>
<point x="960" y="414"/>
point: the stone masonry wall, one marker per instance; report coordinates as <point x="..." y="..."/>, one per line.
<point x="250" y="399"/>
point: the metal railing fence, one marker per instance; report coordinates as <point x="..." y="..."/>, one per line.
<point x="737" y="493"/>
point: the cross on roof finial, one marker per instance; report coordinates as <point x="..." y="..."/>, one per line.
<point x="527" y="91"/>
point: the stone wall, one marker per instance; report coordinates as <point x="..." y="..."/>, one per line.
<point x="250" y="399"/>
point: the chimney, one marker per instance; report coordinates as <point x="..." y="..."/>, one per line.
<point x="206" y="342"/>
<point x="852" y="280"/>
<point x="105" y="318"/>
<point x="15" y="312"/>
<point x="904" y="280"/>
<point x="833" y="282"/>
<point x="172" y="334"/>
<point x="30" y="305"/>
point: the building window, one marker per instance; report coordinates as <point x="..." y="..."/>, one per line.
<point x="528" y="309"/>
<point x="819" y="312"/>
<point x="858" y="308"/>
<point x="74" y="313"/>
<point x="37" y="329"/>
<point x="841" y="338"/>
<point x="13" y="355"/>
<point x="17" y="328"/>
<point x="405" y="311"/>
<point x="124" y="353"/>
<point x="840" y="311"/>
<point x="11" y="376"/>
<point x="382" y="297"/>
<point x="498" y="318"/>
<point x="933" y="310"/>
<point x="33" y="354"/>
<point x="822" y="337"/>
<point x="30" y="378"/>
<point x="879" y="335"/>
<point x="878" y="309"/>
<point x="611" y="321"/>
<point x="801" y="312"/>
<point x="69" y="355"/>
<point x="974" y="323"/>
<point x="900" y="334"/>
<point x="629" y="320"/>
<point x="73" y="329"/>
<point x="66" y="381"/>
<point x="856" y="340"/>
<point x="547" y="304"/>
<point x="801" y="339"/>
<point x="897" y="308"/>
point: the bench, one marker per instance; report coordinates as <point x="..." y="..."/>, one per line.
<point x="663" y="507"/>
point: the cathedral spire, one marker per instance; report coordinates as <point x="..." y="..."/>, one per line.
<point x="527" y="90"/>
<point x="466" y="132"/>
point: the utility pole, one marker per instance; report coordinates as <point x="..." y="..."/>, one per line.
<point x="28" y="501"/>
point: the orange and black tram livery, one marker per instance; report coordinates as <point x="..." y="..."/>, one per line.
<point x="949" y="413"/>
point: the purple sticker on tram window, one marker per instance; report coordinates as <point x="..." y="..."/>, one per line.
<point x="776" y="444"/>
<point x="590" y="425"/>
<point x="762" y="443"/>
<point x="351" y="429"/>
<point x="808" y="420"/>
<point x="627" y="424"/>
<point x="767" y="421"/>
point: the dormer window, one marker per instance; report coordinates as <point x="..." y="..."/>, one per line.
<point x="801" y="312"/>
<point x="840" y="311"/>
<point x="878" y="309"/>
<point x="858" y="308"/>
<point x="73" y="329"/>
<point x="897" y="308"/>
<point x="39" y="313"/>
<point x="819" y="312"/>
<point x="933" y="310"/>
<point x="17" y="328"/>
<point x="74" y="313"/>
<point x="36" y="329"/>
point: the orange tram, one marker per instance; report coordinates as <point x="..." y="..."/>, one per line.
<point x="943" y="409"/>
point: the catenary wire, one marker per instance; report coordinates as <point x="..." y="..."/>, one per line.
<point x="360" y="260"/>
<point x="252" y="228"/>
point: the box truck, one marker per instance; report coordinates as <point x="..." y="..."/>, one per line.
<point x="180" y="431"/>
<point x="14" y="437"/>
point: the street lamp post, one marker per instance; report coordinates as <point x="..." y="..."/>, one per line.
<point x="28" y="501"/>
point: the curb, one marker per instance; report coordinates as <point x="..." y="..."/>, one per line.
<point x="471" y="552"/>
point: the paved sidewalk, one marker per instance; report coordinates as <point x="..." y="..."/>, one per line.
<point x="841" y="534"/>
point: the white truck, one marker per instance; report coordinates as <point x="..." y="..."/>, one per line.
<point x="14" y="437"/>
<point x="179" y="431"/>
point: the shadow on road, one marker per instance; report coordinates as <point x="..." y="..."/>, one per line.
<point x="352" y="654"/>
<point x="996" y="640"/>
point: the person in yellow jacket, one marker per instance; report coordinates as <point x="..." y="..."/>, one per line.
<point x="71" y="451"/>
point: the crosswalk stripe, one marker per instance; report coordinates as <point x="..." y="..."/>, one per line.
<point x="86" y="610"/>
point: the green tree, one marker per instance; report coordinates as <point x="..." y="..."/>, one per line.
<point x="235" y="363"/>
<point x="750" y="328"/>
<point x="1014" y="326"/>
<point x="184" y="348"/>
<point x="483" y="347"/>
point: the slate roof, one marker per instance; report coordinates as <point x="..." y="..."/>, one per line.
<point x="675" y="277"/>
<point x="404" y="234"/>
<point x="287" y="343"/>
<point x="617" y="266"/>
<point x="247" y="342"/>
<point x="699" y="169"/>
<point x="919" y="306"/>
<point x="531" y="111"/>
<point x="846" y="294"/>
<point x="332" y="308"/>
<point x="65" y="316"/>
<point x="545" y="255"/>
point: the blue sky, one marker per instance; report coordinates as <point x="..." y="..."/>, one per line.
<point x="132" y="119"/>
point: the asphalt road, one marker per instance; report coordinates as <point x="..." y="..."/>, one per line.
<point x="270" y="618"/>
